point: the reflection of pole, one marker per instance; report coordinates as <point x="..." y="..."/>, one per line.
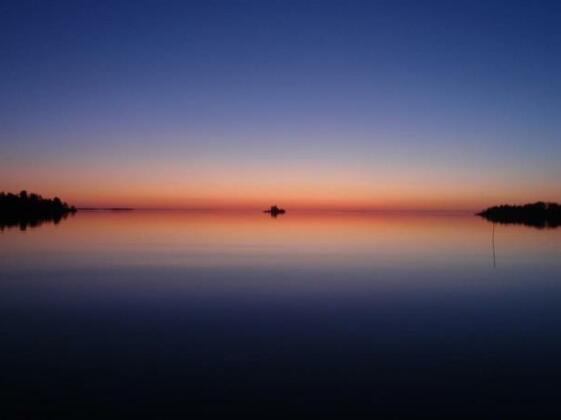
<point x="493" y="245"/>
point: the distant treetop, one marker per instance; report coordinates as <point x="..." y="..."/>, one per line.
<point x="539" y="215"/>
<point x="25" y="209"/>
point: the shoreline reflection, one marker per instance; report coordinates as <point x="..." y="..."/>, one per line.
<point x="30" y="221"/>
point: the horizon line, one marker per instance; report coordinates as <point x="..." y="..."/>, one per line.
<point x="296" y="209"/>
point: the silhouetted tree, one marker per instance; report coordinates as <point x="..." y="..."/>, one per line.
<point x="30" y="210"/>
<point x="539" y="215"/>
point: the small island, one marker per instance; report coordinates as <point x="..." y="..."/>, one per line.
<point x="539" y="215"/>
<point x="25" y="210"/>
<point x="275" y="211"/>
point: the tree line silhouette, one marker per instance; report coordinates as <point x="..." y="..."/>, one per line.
<point x="539" y="215"/>
<point x="31" y="210"/>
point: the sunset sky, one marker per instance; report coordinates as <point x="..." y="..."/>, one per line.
<point x="308" y="104"/>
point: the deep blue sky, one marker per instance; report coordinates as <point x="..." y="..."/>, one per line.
<point x="375" y="103"/>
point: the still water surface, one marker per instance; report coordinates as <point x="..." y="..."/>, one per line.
<point x="208" y="312"/>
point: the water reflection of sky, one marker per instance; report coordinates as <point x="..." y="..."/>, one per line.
<point x="380" y="312"/>
<point x="220" y="239"/>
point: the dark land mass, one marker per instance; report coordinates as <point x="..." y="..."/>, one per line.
<point x="539" y="215"/>
<point x="274" y="211"/>
<point x="31" y="210"/>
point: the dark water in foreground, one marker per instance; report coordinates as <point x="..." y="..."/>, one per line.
<point x="170" y="313"/>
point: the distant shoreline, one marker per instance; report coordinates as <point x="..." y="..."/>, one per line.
<point x="30" y="209"/>
<point x="106" y="209"/>
<point x="539" y="215"/>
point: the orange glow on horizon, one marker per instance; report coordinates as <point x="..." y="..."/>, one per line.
<point x="176" y="187"/>
<point x="175" y="200"/>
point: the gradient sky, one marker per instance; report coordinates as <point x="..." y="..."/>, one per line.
<point x="345" y="104"/>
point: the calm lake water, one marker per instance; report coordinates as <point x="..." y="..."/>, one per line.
<point x="208" y="313"/>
